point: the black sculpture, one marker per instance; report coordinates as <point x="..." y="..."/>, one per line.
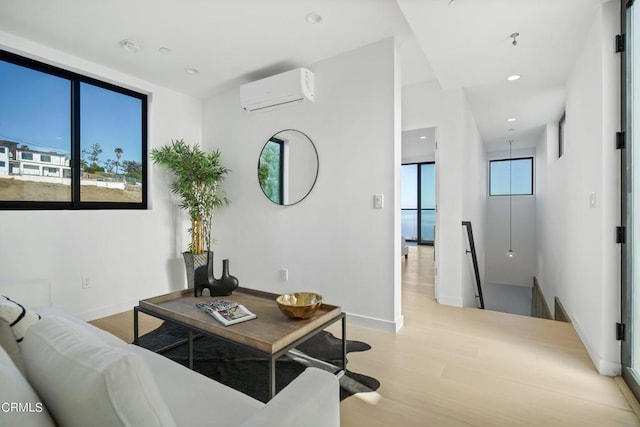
<point x="204" y="279"/>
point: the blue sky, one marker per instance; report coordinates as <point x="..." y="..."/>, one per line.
<point x="409" y="191"/>
<point x="521" y="176"/>
<point x="34" y="110"/>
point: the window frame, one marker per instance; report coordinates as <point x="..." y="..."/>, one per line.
<point x="420" y="240"/>
<point x="508" y="160"/>
<point x="281" y="166"/>
<point x="75" y="80"/>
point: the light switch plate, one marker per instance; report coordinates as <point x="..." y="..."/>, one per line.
<point x="378" y="201"/>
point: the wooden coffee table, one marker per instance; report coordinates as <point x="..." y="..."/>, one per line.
<point x="271" y="334"/>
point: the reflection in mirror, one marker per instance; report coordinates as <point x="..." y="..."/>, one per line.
<point x="288" y="167"/>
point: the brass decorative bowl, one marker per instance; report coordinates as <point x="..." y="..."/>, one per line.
<point x="299" y="305"/>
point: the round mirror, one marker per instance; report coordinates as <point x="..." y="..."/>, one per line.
<point x="288" y="167"/>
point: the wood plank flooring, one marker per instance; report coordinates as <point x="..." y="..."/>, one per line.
<point x="467" y="367"/>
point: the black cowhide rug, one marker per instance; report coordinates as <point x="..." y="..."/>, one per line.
<point x="247" y="371"/>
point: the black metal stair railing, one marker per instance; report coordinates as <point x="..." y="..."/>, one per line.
<point x="474" y="257"/>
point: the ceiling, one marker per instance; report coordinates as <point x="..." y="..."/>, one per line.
<point x="462" y="43"/>
<point x="418" y="144"/>
<point x="468" y="44"/>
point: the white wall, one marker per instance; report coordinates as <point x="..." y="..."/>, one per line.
<point x="578" y="258"/>
<point x="474" y="203"/>
<point x="127" y="255"/>
<point x="333" y="242"/>
<point x="551" y="238"/>
<point x="520" y="269"/>
<point x="460" y="184"/>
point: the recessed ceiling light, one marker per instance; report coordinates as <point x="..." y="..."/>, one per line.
<point x="512" y="119"/>
<point x="130" y="46"/>
<point x="423" y="137"/>
<point x="191" y="71"/>
<point x="313" y="18"/>
<point x="513" y="77"/>
<point x="165" y="50"/>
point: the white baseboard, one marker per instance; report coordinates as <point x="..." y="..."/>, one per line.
<point x="608" y="368"/>
<point x="374" y="323"/>
<point x="605" y="367"/>
<point x="399" y="323"/>
<point x="452" y="301"/>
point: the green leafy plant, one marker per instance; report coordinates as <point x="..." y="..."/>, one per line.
<point x="197" y="178"/>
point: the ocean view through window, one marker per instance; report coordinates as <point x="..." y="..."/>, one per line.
<point x="68" y="141"/>
<point x="418" y="202"/>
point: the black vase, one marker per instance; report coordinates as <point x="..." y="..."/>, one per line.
<point x="205" y="279"/>
<point x="227" y="281"/>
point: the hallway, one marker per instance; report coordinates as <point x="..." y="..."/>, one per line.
<point x="462" y="366"/>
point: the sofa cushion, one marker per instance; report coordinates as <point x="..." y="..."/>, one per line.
<point x="9" y="344"/>
<point x="195" y="398"/>
<point x="8" y="340"/>
<point x="101" y="334"/>
<point x="18" y="316"/>
<point x="15" y="319"/>
<point x="19" y="404"/>
<point x="86" y="382"/>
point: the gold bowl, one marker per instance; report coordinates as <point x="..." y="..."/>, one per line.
<point x="299" y="305"/>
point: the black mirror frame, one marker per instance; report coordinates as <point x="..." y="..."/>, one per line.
<point x="315" y="178"/>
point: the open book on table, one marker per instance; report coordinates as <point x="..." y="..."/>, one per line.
<point x="226" y="312"/>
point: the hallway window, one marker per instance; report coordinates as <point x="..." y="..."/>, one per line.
<point x="511" y="177"/>
<point x="418" y="202"/>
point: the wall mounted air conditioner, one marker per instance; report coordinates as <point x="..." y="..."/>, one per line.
<point x="279" y="91"/>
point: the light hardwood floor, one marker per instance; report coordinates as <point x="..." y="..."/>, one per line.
<point x="467" y="367"/>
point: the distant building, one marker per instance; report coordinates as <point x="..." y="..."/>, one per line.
<point x="22" y="160"/>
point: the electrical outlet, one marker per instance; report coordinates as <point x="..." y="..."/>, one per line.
<point x="284" y="274"/>
<point x="86" y="283"/>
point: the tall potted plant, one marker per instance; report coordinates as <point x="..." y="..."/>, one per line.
<point x="197" y="178"/>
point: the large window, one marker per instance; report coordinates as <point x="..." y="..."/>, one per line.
<point x="511" y="177"/>
<point x="92" y="131"/>
<point x="418" y="202"/>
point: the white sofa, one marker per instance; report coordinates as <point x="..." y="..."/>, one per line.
<point x="69" y="373"/>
